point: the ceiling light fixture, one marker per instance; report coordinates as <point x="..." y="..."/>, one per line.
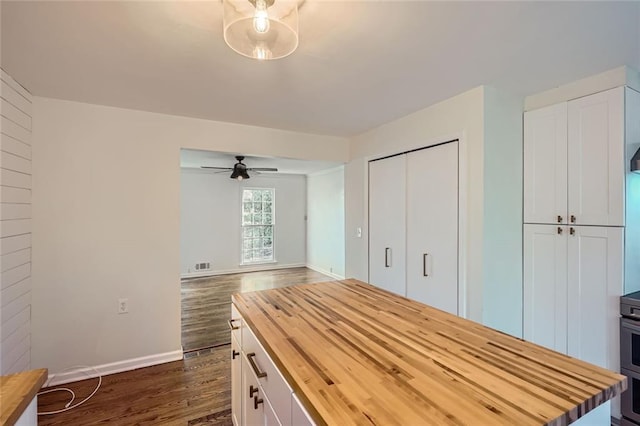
<point x="261" y="29"/>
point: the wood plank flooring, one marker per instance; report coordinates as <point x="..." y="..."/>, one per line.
<point x="206" y="302"/>
<point x="192" y="392"/>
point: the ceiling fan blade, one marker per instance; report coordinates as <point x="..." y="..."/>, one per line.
<point x="216" y="168"/>
<point x="262" y="169"/>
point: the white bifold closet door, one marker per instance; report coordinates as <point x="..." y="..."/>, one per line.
<point x="432" y="231"/>
<point x="387" y="226"/>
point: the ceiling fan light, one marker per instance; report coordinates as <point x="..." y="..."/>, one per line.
<point x="279" y="39"/>
<point x="239" y="174"/>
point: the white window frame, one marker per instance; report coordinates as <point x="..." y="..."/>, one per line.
<point x="273" y="227"/>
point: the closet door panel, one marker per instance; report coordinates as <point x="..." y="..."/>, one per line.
<point x="387" y="224"/>
<point x="545" y="165"/>
<point x="432" y="224"/>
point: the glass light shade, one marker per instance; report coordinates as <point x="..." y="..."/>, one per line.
<point x="281" y="38"/>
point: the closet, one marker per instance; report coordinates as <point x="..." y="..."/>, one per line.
<point x="413" y="225"/>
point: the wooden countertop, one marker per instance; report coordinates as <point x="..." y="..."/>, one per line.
<point x="16" y="393"/>
<point x="355" y="354"/>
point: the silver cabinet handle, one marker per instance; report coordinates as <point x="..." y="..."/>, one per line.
<point x="424" y="264"/>
<point x="256" y="370"/>
<point x="231" y="326"/>
<point x="387" y="257"/>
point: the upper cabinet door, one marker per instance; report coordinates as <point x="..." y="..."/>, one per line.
<point x="545" y="165"/>
<point x="387" y="225"/>
<point x="596" y="159"/>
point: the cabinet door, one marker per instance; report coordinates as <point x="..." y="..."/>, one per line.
<point x="545" y="286"/>
<point x="545" y="165"/>
<point x="236" y="382"/>
<point x="432" y="226"/>
<point x="596" y="159"/>
<point x="387" y="226"/>
<point x="595" y="285"/>
<point x="252" y="413"/>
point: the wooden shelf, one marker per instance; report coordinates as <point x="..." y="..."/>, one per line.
<point x="356" y="354"/>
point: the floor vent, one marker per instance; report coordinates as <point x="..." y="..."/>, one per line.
<point x="203" y="266"/>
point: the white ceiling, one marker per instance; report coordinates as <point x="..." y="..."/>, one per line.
<point x="194" y="159"/>
<point x="359" y="63"/>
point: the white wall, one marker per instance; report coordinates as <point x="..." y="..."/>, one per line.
<point x="502" y="268"/>
<point x="325" y="223"/>
<point x="210" y="220"/>
<point x="106" y="225"/>
<point x="457" y="117"/>
<point x="15" y="226"/>
<point x="487" y="123"/>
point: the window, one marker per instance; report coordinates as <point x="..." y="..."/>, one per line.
<point x="257" y="225"/>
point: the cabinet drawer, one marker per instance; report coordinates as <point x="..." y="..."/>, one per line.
<point x="299" y="416"/>
<point x="271" y="381"/>
<point x="235" y="324"/>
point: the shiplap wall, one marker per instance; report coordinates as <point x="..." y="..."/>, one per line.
<point x="15" y="226"/>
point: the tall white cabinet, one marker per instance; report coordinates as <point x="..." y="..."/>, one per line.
<point x="413" y="225"/>
<point x="576" y="220"/>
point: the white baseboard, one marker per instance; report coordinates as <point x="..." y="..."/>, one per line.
<point x="83" y="373"/>
<point x="322" y="271"/>
<point x="248" y="268"/>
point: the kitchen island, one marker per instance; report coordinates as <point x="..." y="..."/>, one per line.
<point x="345" y="352"/>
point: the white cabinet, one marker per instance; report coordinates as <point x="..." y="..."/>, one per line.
<point x="596" y="169"/>
<point x="594" y="277"/>
<point x="236" y="377"/>
<point x="574" y="161"/>
<point x="387" y="224"/>
<point x="413" y="225"/>
<point x="545" y="165"/>
<point x="572" y="285"/>
<point x="260" y="395"/>
<point x="545" y="286"/>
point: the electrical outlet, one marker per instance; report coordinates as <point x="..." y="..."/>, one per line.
<point x="123" y="306"/>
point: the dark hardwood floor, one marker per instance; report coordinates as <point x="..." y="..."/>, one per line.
<point x="192" y="392"/>
<point x="206" y="302"/>
<point x="195" y="391"/>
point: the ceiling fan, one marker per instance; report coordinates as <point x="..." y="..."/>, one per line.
<point x="240" y="169"/>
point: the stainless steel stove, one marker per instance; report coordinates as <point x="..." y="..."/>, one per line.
<point x="630" y="357"/>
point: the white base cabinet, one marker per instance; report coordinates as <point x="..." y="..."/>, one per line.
<point x="260" y="395"/>
<point x="572" y="286"/>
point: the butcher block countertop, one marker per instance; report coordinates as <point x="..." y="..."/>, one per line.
<point x="355" y="354"/>
<point x="16" y="393"/>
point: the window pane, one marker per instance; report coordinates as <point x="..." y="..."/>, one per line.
<point x="268" y="231"/>
<point x="247" y="195"/>
<point x="257" y="196"/>
<point x="257" y="207"/>
<point x="247" y="232"/>
<point x="246" y="207"/>
<point x="256" y="218"/>
<point x="246" y="219"/>
<point x="268" y="219"/>
<point x="267" y="208"/>
<point x="267" y="242"/>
